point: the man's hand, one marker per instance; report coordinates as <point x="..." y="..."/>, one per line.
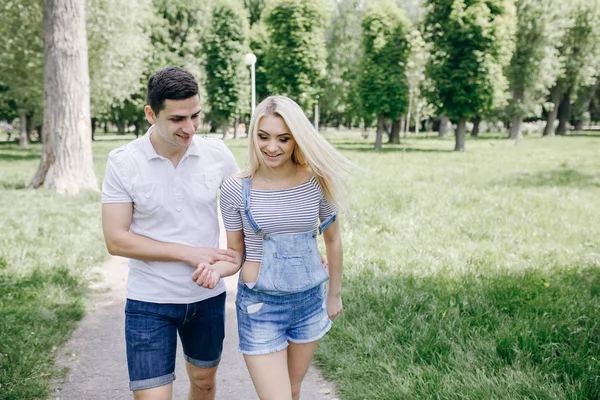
<point x="206" y="276"/>
<point x="208" y="255"/>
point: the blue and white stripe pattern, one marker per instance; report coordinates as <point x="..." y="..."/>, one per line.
<point x="291" y="210"/>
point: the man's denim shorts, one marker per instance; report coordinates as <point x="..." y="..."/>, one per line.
<point x="267" y="322"/>
<point x="151" y="336"/>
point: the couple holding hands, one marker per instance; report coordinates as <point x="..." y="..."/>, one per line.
<point x="159" y="209"/>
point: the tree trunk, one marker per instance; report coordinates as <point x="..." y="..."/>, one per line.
<point x="136" y="124"/>
<point x="94" y="123"/>
<point x="395" y="134"/>
<point x="578" y="125"/>
<point x="555" y="95"/>
<point x="443" y="129"/>
<point x="30" y="127"/>
<point x="417" y="120"/>
<point x="475" y="131"/>
<point x="564" y="113"/>
<point x="515" y="127"/>
<point x="380" y="130"/>
<point x="67" y="164"/>
<point x="461" y="128"/>
<point x="23" y="140"/>
<point x="106" y="127"/>
<point x="363" y="131"/>
<point x="236" y="126"/>
<point x="410" y="101"/>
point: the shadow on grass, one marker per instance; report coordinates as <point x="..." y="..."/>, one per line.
<point x="541" y="326"/>
<point x="6" y="185"/>
<point x="26" y="155"/>
<point x="368" y="147"/>
<point x="561" y="177"/>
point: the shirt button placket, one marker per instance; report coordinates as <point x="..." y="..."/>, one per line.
<point x="178" y="195"/>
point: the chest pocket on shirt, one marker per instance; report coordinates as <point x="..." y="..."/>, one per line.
<point x="148" y="197"/>
<point x="205" y="186"/>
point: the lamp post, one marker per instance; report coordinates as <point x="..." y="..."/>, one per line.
<point x="250" y="60"/>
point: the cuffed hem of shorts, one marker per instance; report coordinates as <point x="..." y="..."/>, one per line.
<point x="201" y="363"/>
<point x="263" y="351"/>
<point x="319" y="336"/>
<point x="152" y="382"/>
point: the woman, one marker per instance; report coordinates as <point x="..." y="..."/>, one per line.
<point x="271" y="213"/>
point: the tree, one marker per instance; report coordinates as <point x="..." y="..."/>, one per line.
<point x="386" y="48"/>
<point x="535" y="64"/>
<point x="224" y="47"/>
<point x="67" y="164"/>
<point x="255" y="9"/>
<point x="580" y="55"/>
<point x="344" y="53"/>
<point x="21" y="59"/>
<point x="472" y="43"/>
<point x="295" y="59"/>
<point x="117" y="46"/>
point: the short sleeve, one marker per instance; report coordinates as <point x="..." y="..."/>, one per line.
<point x="113" y="189"/>
<point x="326" y="208"/>
<point x="230" y="203"/>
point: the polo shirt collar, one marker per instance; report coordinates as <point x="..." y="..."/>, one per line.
<point x="193" y="150"/>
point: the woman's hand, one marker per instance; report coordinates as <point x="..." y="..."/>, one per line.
<point x="334" y="305"/>
<point x="206" y="276"/>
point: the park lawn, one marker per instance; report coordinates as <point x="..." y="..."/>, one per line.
<point x="470" y="276"/>
<point x="467" y="276"/>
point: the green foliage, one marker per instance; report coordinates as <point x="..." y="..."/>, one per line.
<point x="224" y="48"/>
<point x="255" y="9"/>
<point x="295" y="59"/>
<point x="580" y="46"/>
<point x="117" y="46"/>
<point x="339" y="102"/>
<point x="472" y="43"/>
<point x="258" y="42"/>
<point x="386" y="49"/>
<point x="535" y="65"/>
<point x="22" y="54"/>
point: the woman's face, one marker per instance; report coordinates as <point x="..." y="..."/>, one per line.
<point x="275" y="141"/>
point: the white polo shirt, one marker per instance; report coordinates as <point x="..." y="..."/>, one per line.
<point x="174" y="205"/>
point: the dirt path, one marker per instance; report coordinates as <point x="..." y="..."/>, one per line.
<point x="96" y="356"/>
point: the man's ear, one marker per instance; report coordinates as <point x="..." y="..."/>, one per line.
<point x="150" y="116"/>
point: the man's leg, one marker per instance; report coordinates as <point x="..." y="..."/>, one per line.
<point x="151" y="338"/>
<point x="203" y="382"/>
<point x="202" y="335"/>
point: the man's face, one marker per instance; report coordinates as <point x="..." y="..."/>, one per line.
<point x="177" y="122"/>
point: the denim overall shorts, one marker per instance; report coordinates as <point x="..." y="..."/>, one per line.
<point x="287" y="302"/>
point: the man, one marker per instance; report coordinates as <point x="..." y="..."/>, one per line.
<point x="159" y="209"/>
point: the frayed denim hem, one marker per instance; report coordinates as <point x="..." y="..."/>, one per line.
<point x="263" y="352"/>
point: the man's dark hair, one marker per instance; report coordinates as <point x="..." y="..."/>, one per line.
<point x="171" y="83"/>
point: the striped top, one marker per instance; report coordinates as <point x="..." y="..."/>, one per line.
<point x="293" y="210"/>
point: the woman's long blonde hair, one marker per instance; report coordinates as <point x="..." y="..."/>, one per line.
<point x="327" y="164"/>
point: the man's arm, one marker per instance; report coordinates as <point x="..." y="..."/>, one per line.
<point x="208" y="275"/>
<point x="116" y="220"/>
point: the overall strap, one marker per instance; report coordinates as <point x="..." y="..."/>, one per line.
<point x="246" y="185"/>
<point x="327" y="222"/>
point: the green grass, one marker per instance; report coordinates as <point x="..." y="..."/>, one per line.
<point x="470" y="276"/>
<point x="467" y="276"/>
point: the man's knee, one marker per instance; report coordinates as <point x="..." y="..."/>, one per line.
<point x="203" y="378"/>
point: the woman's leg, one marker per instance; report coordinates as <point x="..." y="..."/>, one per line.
<point x="269" y="373"/>
<point x="299" y="358"/>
